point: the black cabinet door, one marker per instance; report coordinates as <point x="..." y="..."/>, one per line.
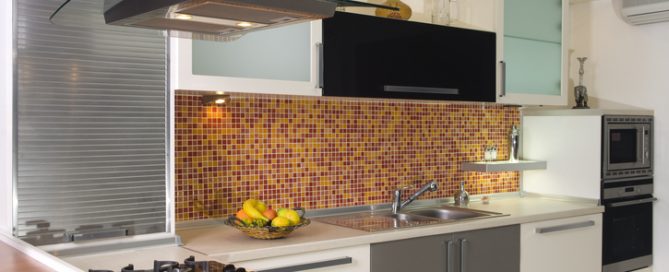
<point x="425" y="254"/>
<point x="496" y="249"/>
<point x="368" y="56"/>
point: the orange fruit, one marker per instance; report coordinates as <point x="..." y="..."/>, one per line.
<point x="242" y="216"/>
<point x="269" y="213"/>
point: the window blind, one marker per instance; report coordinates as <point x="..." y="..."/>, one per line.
<point x="91" y="116"/>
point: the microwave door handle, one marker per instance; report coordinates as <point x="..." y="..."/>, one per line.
<point x="643" y="145"/>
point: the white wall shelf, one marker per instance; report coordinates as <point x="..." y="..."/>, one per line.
<point x="498" y="166"/>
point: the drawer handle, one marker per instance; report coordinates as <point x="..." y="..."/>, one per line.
<point x="566" y="227"/>
<point x="307" y="266"/>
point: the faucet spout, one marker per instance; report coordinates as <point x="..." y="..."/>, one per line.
<point x="398" y="204"/>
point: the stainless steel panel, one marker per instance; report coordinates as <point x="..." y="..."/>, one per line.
<point x="628" y="265"/>
<point x="626" y="191"/>
<point x="91" y="114"/>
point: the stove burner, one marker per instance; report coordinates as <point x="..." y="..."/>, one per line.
<point x="189" y="265"/>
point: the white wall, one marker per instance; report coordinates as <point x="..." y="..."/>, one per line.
<point x="630" y="64"/>
<point x="6" y="52"/>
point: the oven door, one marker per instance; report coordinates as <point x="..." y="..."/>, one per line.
<point x="627" y="146"/>
<point x="628" y="234"/>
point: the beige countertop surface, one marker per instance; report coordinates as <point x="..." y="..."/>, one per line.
<point x="228" y="245"/>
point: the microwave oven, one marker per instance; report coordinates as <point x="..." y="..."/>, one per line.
<point x="627" y="146"/>
<point x="368" y="56"/>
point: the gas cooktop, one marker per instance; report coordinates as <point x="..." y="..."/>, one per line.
<point x="188" y="265"/>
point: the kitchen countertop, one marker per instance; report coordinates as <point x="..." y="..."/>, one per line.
<point x="228" y="245"/>
<point x="14" y="260"/>
<point x="141" y="258"/>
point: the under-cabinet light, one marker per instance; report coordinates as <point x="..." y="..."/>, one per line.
<point x="218" y="99"/>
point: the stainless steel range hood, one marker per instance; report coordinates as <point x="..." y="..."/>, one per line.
<point x="216" y="19"/>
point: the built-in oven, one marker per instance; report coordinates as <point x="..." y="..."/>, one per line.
<point x="627" y="146"/>
<point x="627" y="224"/>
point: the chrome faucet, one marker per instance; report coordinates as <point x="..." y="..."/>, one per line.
<point x="398" y="204"/>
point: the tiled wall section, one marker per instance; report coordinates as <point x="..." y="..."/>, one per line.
<point x="316" y="152"/>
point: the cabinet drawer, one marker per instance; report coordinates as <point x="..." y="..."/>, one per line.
<point x="354" y="259"/>
<point x="571" y="244"/>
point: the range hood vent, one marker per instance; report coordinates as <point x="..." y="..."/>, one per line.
<point x="215" y="19"/>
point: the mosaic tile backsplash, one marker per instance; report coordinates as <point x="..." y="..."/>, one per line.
<point x="321" y="152"/>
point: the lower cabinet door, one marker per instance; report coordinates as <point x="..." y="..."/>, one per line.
<point x="495" y="249"/>
<point x="570" y="244"/>
<point x="425" y="254"/>
<point x="353" y="259"/>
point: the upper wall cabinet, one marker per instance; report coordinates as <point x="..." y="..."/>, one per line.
<point x="532" y="51"/>
<point x="283" y="60"/>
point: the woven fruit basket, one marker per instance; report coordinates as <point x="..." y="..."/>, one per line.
<point x="266" y="232"/>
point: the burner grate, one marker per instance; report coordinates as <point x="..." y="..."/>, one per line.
<point x="189" y="265"/>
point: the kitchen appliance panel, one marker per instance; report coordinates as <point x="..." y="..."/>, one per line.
<point x="628" y="234"/>
<point x="627" y="146"/>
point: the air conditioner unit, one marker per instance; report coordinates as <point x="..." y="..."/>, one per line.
<point x="639" y="12"/>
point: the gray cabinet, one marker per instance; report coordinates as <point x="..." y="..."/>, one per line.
<point x="487" y="250"/>
<point x="496" y="249"/>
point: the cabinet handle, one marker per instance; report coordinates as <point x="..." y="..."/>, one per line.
<point x="420" y="90"/>
<point x="566" y="227"/>
<point x="449" y="258"/>
<point x="464" y="244"/>
<point x="319" y="46"/>
<point x="307" y="266"/>
<point x="502" y="91"/>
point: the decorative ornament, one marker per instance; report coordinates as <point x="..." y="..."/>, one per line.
<point x="580" y="91"/>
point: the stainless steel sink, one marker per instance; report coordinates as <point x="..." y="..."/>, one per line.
<point x="385" y="220"/>
<point x="406" y="217"/>
<point x="451" y="213"/>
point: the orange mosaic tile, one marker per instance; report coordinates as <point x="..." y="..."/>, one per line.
<point x="322" y="152"/>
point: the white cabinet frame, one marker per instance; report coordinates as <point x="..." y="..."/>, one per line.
<point x="182" y="77"/>
<point x="533" y="99"/>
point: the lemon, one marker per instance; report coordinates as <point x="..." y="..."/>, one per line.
<point x="280" y="222"/>
<point x="281" y="212"/>
<point x="292" y="216"/>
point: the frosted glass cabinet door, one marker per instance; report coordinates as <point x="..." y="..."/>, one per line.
<point x="282" y="60"/>
<point x="532" y="51"/>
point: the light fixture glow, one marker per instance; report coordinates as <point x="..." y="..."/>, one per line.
<point x="220" y="92"/>
<point x="217" y="99"/>
<point x="244" y="24"/>
<point x="183" y="17"/>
